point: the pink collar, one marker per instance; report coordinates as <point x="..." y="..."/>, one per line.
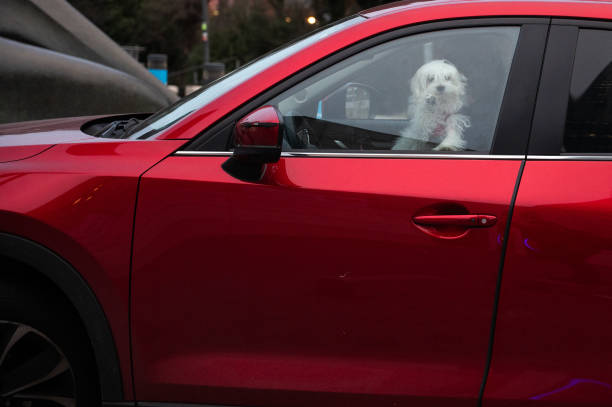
<point x="438" y="133"/>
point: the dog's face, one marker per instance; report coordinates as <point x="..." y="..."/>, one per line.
<point x="438" y="86"/>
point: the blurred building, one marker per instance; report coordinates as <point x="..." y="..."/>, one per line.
<point x="56" y="63"/>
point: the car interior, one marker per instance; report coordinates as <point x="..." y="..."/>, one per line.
<point x="362" y="102"/>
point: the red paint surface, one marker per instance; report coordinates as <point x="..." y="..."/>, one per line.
<point x="554" y="337"/>
<point x="78" y="200"/>
<point x="315" y="286"/>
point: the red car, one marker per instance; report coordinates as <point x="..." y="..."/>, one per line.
<point x="410" y="207"/>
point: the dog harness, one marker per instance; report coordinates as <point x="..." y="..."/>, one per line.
<point x="437" y="135"/>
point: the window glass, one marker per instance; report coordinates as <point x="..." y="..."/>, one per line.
<point x="588" y="127"/>
<point x="437" y="91"/>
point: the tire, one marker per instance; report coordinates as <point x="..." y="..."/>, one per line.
<point x="45" y="354"/>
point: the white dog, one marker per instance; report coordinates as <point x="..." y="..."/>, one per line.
<point x="437" y="94"/>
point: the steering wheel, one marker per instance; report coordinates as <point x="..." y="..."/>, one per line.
<point x="296" y="136"/>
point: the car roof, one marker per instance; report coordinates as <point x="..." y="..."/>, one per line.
<point x="553" y="8"/>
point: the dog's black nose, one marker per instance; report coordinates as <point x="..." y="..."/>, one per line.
<point x="440" y="88"/>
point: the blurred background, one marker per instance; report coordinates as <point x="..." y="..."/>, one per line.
<point x="92" y="57"/>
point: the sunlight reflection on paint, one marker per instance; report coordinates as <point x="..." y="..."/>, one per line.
<point x="527" y="245"/>
<point x="571" y="384"/>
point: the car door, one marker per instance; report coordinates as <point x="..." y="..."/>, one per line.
<point x="353" y="273"/>
<point x="553" y="335"/>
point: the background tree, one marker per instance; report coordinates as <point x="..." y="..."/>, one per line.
<point x="364" y="4"/>
<point x="247" y="29"/>
<point x="239" y="30"/>
<point x="161" y="26"/>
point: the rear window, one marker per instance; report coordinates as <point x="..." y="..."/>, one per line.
<point x="588" y="127"/>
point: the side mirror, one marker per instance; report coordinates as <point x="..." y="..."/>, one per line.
<point x="258" y="139"/>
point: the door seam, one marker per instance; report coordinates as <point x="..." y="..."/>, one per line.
<point x="130" y="277"/>
<point x="499" y="283"/>
<point x="506" y="236"/>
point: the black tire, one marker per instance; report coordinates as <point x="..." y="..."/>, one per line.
<point x="45" y="355"/>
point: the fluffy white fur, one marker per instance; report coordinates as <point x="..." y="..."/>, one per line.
<point x="437" y="94"/>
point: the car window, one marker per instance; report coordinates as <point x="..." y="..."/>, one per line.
<point x="438" y="91"/>
<point x="588" y="127"/>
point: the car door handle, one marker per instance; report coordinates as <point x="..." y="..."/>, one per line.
<point x="467" y="221"/>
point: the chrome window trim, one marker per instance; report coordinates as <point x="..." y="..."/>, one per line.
<point x="403" y="155"/>
<point x="570" y="157"/>
<point x="442" y="156"/>
<point x="312" y="154"/>
<point x="204" y="153"/>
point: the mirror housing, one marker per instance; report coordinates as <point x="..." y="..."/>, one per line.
<point x="258" y="140"/>
<point x="258" y="136"/>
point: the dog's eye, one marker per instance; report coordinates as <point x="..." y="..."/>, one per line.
<point x="447" y="77"/>
<point x="430" y="79"/>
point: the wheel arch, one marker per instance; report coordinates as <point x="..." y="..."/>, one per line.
<point x="76" y="290"/>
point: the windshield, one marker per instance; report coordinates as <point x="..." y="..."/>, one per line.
<point x="172" y="114"/>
